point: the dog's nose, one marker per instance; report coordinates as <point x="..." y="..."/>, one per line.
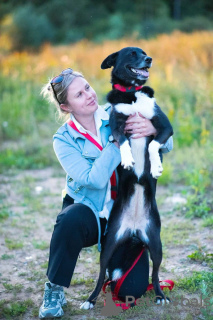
<point x="148" y="59"/>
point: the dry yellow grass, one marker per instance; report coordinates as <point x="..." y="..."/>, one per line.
<point x="193" y="52"/>
<point x="181" y="74"/>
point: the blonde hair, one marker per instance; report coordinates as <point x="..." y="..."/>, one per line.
<point x="58" y="95"/>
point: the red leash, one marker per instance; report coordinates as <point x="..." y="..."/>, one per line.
<point x="121" y="280"/>
<point x="91" y="139"/>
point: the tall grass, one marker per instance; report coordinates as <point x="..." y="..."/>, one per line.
<point x="181" y="75"/>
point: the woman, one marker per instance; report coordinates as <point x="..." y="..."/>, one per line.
<point x="87" y="203"/>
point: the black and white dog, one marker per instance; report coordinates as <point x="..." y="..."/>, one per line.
<point x="135" y="213"/>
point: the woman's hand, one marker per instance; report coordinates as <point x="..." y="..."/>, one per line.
<point x="139" y="126"/>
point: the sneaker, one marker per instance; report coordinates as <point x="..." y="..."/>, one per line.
<point x="53" y="301"/>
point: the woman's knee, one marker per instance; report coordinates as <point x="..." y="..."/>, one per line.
<point x="78" y="222"/>
<point x="72" y="215"/>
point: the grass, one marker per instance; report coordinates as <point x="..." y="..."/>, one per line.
<point x="4" y="214"/>
<point x="167" y="175"/>
<point x="201" y="282"/>
<point x="42" y="245"/>
<point x="198" y="206"/>
<point x="44" y="265"/>
<point x="13" y="244"/>
<point x="78" y="281"/>
<point x="7" y="256"/>
<point x="208" y="222"/>
<point x="201" y="256"/>
<point x="32" y="156"/>
<point x="14" y="309"/>
<point x="183" y="95"/>
<point x="13" y="288"/>
<point x="196" y="281"/>
<point x="176" y="234"/>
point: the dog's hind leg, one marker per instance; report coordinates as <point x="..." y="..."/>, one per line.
<point x="155" y="249"/>
<point x="107" y="252"/>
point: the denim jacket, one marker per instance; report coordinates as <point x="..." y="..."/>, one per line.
<point x="88" y="169"/>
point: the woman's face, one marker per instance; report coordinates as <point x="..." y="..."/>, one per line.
<point x="81" y="98"/>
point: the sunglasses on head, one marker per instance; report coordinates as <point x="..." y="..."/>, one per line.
<point x="59" y="79"/>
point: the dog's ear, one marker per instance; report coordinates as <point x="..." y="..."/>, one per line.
<point x="109" y="61"/>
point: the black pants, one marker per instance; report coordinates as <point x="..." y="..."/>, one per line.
<point x="76" y="228"/>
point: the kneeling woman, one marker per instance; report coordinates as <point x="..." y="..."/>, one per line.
<point x="89" y="159"/>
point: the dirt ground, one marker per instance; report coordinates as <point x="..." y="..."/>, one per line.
<point x="32" y="200"/>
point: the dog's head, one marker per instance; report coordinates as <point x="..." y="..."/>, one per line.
<point x="130" y="66"/>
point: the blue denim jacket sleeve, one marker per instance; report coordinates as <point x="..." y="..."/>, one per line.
<point x="168" y="146"/>
<point x="95" y="174"/>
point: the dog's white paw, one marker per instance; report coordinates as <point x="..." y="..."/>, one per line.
<point x="162" y="301"/>
<point x="87" y="305"/>
<point x="127" y="160"/>
<point x="156" y="165"/>
<point x="156" y="170"/>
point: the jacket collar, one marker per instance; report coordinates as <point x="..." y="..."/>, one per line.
<point x="101" y="119"/>
<point x="100" y="116"/>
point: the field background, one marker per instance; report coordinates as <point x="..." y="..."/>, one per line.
<point x="31" y="178"/>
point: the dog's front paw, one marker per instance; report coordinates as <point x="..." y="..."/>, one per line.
<point x="127" y="160"/>
<point x="156" y="169"/>
<point x="87" y="305"/>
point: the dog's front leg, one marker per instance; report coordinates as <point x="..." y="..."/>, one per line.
<point x="117" y="124"/>
<point x="155" y="161"/>
<point x="127" y="160"/>
<point x="105" y="256"/>
<point x="164" y="131"/>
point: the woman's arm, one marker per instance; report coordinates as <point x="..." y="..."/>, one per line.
<point x="142" y="127"/>
<point x="94" y="175"/>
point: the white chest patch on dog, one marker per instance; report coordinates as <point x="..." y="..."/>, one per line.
<point x="138" y="153"/>
<point x="143" y="104"/>
<point x="134" y="216"/>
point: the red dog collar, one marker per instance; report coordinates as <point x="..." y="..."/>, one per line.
<point x="126" y="89"/>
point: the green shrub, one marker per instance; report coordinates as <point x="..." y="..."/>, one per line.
<point x="34" y="157"/>
<point x="208" y="222"/>
<point x="195" y="23"/>
<point x="30" y="29"/>
<point x="194" y="283"/>
<point x="197" y="206"/>
<point x="201" y="256"/>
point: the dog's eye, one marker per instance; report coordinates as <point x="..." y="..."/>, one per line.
<point x="133" y="53"/>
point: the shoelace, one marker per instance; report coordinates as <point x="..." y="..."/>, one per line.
<point x="50" y="296"/>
